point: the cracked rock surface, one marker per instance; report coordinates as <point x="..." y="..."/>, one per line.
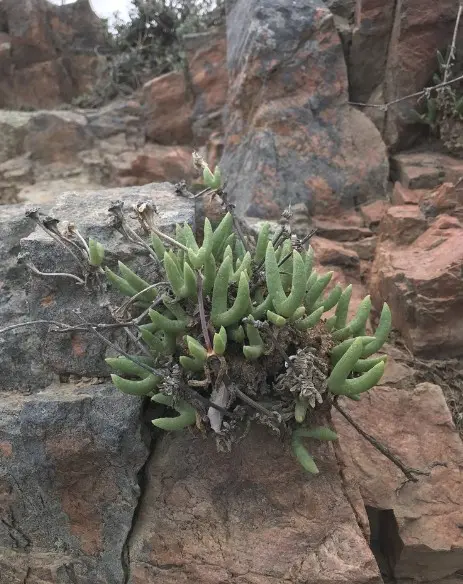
<point x="252" y="517"/>
<point x="69" y="459"/>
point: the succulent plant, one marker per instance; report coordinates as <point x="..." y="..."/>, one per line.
<point x="238" y="308"/>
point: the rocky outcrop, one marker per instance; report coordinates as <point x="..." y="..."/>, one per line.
<point x="85" y="148"/>
<point x="205" y="518"/>
<point x="48" y="52"/>
<point x="32" y="358"/>
<point x="71" y="446"/>
<point x="69" y="461"/>
<point x="290" y="135"/>
<point x="206" y="55"/>
<point x="415" y="527"/>
<point x="168" y="109"/>
<point x="82" y="501"/>
<point x="422" y="284"/>
<point x="392" y="53"/>
<point x="185" y="107"/>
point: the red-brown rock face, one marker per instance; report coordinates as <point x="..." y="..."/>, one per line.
<point x="250" y="517"/>
<point x="416" y="526"/>
<point x="393" y="54"/>
<point x="47" y="52"/>
<point x="422" y="283"/>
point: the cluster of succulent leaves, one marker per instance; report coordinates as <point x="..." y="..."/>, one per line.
<point x="239" y="291"/>
<point x="442" y="102"/>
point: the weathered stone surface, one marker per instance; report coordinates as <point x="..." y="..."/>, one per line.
<point x="392" y="54"/>
<point x="208" y="78"/>
<point x="250" y="517"/>
<point x="425" y="170"/>
<point x="402" y="224"/>
<point x="56" y="298"/>
<point x="49" y="56"/>
<point x="69" y="459"/>
<point x="118" y="117"/>
<point x="404" y="196"/>
<point x="168" y="109"/>
<point x="153" y="163"/>
<point x="365" y="248"/>
<point x="334" y="254"/>
<point x="347" y="227"/>
<point x="422" y="285"/>
<point x="373" y="213"/>
<point x="368" y="52"/>
<point x="420" y="523"/>
<point x="13" y="129"/>
<point x="290" y="135"/>
<point x="20" y="349"/>
<point x="441" y="200"/>
<point x="57" y="136"/>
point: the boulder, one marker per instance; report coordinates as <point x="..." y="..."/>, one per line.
<point x="421" y="283"/>
<point x="347" y="227"/>
<point x="373" y="213"/>
<point x="402" y="224"/>
<point x="290" y="135"/>
<point x="152" y="163"/>
<point x="444" y="199"/>
<point x="331" y="253"/>
<point x="57" y="136"/>
<point x="168" y="109"/>
<point x="35" y="355"/>
<point x="69" y="463"/>
<point x="416" y="527"/>
<point x="425" y="170"/>
<point x="49" y="55"/>
<point x="404" y="196"/>
<point x="251" y="516"/>
<point x="20" y="349"/>
<point x="206" y="54"/>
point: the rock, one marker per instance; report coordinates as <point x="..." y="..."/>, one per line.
<point x="51" y="298"/>
<point x="393" y="54"/>
<point x="425" y="170"/>
<point x="250" y="516"/>
<point x="343" y="8"/>
<point x="118" y="117"/>
<point x="373" y="213"/>
<point x="404" y="196"/>
<point x="417" y="525"/>
<point x="13" y="128"/>
<point x="441" y="200"/>
<point x="344" y="228"/>
<point x="57" y="136"/>
<point x="332" y="253"/>
<point x="54" y="136"/>
<point x="152" y="163"/>
<point x="50" y="56"/>
<point x="368" y="52"/>
<point x="14" y="173"/>
<point x="208" y="78"/>
<point x="70" y="457"/>
<point x="21" y="348"/>
<point x="402" y="224"/>
<point x="168" y="109"/>
<point x="298" y="141"/>
<point x="365" y="248"/>
<point x="422" y="285"/>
